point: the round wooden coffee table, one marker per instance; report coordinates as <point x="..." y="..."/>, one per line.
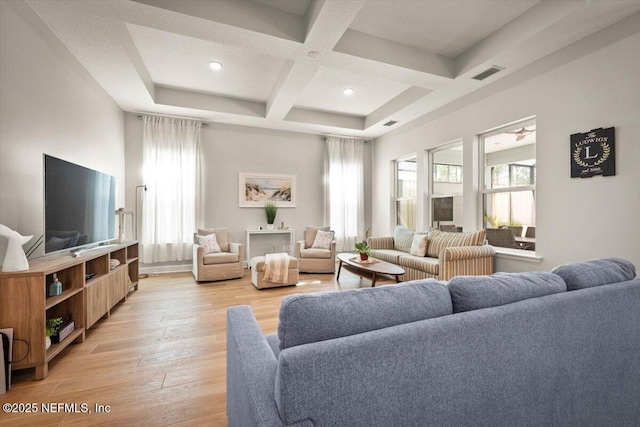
<point x="372" y="268"/>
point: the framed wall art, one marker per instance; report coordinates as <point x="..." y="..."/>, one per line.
<point x="257" y="188"/>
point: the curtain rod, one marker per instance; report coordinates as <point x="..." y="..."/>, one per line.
<point x="366" y="141"/>
<point x="139" y="115"/>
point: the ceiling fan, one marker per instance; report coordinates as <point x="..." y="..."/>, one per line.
<point x="520" y="134"/>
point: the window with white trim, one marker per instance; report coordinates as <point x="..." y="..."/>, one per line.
<point x="406" y="187"/>
<point x="508" y="156"/>
<point x="444" y="187"/>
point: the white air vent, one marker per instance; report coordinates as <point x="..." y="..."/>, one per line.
<point x="489" y="72"/>
<point x="390" y="123"/>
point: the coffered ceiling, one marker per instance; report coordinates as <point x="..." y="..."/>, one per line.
<point x="287" y="62"/>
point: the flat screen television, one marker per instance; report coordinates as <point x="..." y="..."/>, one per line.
<point x="79" y="205"/>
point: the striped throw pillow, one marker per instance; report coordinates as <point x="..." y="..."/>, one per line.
<point x="402" y="238"/>
<point x="438" y="240"/>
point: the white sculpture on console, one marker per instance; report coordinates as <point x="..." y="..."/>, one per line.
<point x="14" y="258"/>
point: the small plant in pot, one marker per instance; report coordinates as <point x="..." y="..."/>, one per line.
<point x="270" y="211"/>
<point x="51" y="328"/>
<point x="363" y="249"/>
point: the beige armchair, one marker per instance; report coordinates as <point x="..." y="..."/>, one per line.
<point x="315" y="260"/>
<point x="227" y="264"/>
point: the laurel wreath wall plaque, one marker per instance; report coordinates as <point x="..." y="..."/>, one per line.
<point x="593" y="153"/>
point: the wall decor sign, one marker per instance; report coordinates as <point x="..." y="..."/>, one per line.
<point x="257" y="188"/>
<point x="593" y="153"/>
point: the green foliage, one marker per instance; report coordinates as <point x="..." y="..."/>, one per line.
<point x="363" y="248"/>
<point x="270" y="211"/>
<point x="492" y="220"/>
<point x="52" y="326"/>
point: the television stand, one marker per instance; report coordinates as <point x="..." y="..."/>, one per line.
<point x="25" y="306"/>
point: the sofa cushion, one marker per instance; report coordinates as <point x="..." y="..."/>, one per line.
<point x="426" y="264"/>
<point x="438" y="240"/>
<point x="474" y="292"/>
<point x="597" y="272"/>
<point x="315" y="253"/>
<point x="219" y="258"/>
<point x="402" y="238"/>
<point x="310" y="232"/>
<point x="389" y="255"/>
<point x="306" y="318"/>
<point x="221" y="236"/>
<point x="419" y="245"/>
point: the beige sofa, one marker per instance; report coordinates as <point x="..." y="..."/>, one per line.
<point x="227" y="264"/>
<point x="447" y="254"/>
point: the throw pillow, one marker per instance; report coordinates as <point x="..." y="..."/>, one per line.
<point x="419" y="245"/>
<point x="323" y="240"/>
<point x="209" y="243"/>
<point x="310" y="234"/>
<point x="597" y="272"/>
<point x="438" y="240"/>
<point x="221" y="236"/>
<point x="402" y="238"/>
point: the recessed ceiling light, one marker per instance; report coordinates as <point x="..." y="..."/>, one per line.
<point x="215" y="65"/>
<point x="348" y="91"/>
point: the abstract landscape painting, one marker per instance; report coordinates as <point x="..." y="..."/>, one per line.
<point x="255" y="189"/>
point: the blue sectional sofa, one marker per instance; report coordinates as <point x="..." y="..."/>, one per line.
<point x="555" y="348"/>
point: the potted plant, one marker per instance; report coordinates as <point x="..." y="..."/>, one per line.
<point x="363" y="249"/>
<point x="51" y="328"/>
<point x="270" y="211"/>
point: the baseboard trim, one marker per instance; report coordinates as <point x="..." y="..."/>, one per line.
<point x="174" y="268"/>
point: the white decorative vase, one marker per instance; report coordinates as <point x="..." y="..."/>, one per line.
<point x="269" y="226"/>
<point x="14" y="258"/>
<point x="47" y="343"/>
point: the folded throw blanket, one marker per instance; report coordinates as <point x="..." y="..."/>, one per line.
<point x="276" y="268"/>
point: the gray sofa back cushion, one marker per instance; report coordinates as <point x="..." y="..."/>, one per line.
<point x="475" y="292"/>
<point x="597" y="272"/>
<point x="306" y="318"/>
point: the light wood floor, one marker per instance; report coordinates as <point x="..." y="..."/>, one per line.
<point x="160" y="359"/>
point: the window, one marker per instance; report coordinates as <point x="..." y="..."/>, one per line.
<point x="447" y="173"/>
<point x="444" y="187"/>
<point x="509" y="182"/>
<point x="406" y="180"/>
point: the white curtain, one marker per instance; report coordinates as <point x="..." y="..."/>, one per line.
<point x="171" y="173"/>
<point x="345" y="190"/>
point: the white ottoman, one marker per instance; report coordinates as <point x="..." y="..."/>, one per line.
<point x="257" y="273"/>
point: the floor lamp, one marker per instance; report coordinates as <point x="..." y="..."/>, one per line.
<point x="144" y="186"/>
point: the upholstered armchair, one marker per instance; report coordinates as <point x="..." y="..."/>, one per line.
<point x="226" y="264"/>
<point x="315" y="259"/>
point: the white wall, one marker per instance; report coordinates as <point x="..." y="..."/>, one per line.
<point x="227" y="150"/>
<point x="48" y="104"/>
<point x="593" y="83"/>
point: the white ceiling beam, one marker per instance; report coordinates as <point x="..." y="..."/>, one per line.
<point x="327" y="21"/>
<point x="535" y="20"/>
<point x="386" y="111"/>
<point x="244" y="14"/>
<point x="360" y="45"/>
<point x="132" y="51"/>
<point x="324" y="118"/>
<point x="208" y="102"/>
